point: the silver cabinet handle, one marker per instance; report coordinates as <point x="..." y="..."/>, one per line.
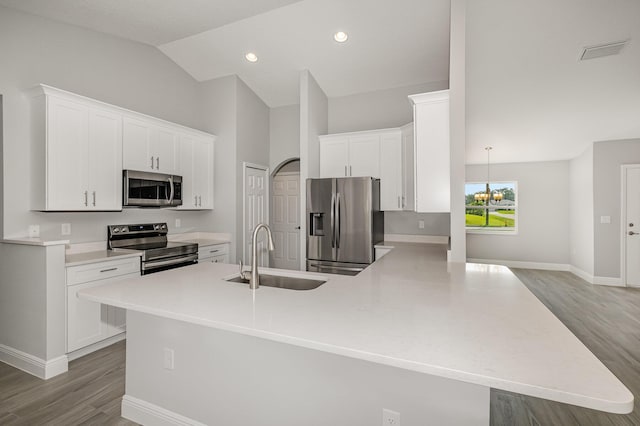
<point x="86" y="198"/>
<point x="214" y="251"/>
<point x="109" y="270"/>
<point x="94" y="198"/>
<point x="350" y="171"/>
<point x="345" y="170"/>
<point x="333" y="220"/>
<point x="398" y="201"/>
<point x="200" y="200"/>
<point x="152" y="162"/>
<point x="195" y="201"/>
<point x="157" y="163"/>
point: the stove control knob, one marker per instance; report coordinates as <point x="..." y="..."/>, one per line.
<point x="156" y="227"/>
<point x="123" y="229"/>
<point x="116" y="230"/>
<point x="164" y="226"/>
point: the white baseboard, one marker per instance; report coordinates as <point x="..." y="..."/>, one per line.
<point x="33" y="365"/>
<point x="610" y="281"/>
<point x="582" y="274"/>
<point x="405" y="238"/>
<point x="521" y="264"/>
<point x="146" y="413"/>
<point x="96" y="346"/>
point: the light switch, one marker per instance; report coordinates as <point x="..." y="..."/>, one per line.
<point x="605" y="219"/>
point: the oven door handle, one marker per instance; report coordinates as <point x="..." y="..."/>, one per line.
<point x="173" y="261"/>
<point x="171" y="194"/>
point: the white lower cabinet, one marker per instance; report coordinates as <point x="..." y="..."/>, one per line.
<point x="90" y="322"/>
<point x="217" y="253"/>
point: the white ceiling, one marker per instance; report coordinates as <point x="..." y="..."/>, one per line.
<point x="147" y="21"/>
<point x="529" y="97"/>
<point x="391" y="44"/>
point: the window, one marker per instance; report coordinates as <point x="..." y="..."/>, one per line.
<point x="495" y="212"/>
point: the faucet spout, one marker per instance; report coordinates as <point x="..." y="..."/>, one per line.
<point x="254" y="282"/>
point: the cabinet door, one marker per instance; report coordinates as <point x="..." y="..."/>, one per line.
<point x="391" y="172"/>
<point x="67" y="155"/>
<point x="334" y="157"/>
<point x="364" y="155"/>
<point x="431" y="128"/>
<point x="408" y="168"/>
<point x="136" y="137"/>
<point x="185" y="169"/>
<point x="105" y="160"/>
<point x="203" y="172"/>
<point x="164" y="143"/>
<point x="86" y="321"/>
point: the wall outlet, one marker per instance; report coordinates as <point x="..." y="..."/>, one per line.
<point x="65" y="229"/>
<point x="34" y="231"/>
<point x="390" y="417"/>
<point x="178" y="223"/>
<point x="168" y="359"/>
<point x="421" y="224"/>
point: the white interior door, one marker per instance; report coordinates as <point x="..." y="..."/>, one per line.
<point x="256" y="210"/>
<point x="285" y="221"/>
<point x="631" y="225"/>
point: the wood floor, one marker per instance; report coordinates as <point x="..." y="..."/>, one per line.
<point x="606" y="319"/>
<point x="90" y="393"/>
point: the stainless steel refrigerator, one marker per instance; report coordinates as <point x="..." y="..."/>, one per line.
<point x="344" y="222"/>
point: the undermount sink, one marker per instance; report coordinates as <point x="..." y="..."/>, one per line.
<point x="281" y="281"/>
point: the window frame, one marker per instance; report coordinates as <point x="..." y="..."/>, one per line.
<point x="494" y="230"/>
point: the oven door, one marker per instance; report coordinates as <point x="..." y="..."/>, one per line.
<point x="146" y="189"/>
<point x="168" y="263"/>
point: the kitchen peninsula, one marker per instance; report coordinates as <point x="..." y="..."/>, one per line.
<point x="411" y="333"/>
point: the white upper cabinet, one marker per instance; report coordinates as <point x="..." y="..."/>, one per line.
<point x="432" y="158"/>
<point x="376" y="153"/>
<point x="408" y="167"/>
<point x="196" y="168"/>
<point x="77" y="153"/>
<point x="149" y="146"/>
<point x="350" y="154"/>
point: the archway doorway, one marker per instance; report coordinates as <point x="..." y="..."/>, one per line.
<point x="285" y="215"/>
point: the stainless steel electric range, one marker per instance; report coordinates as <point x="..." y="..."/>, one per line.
<point x="158" y="254"/>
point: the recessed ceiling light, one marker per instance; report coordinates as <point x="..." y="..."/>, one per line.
<point x="340" y="36"/>
<point x="251" y="57"/>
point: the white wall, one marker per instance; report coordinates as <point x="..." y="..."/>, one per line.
<point x="581" y="237"/>
<point x="608" y="157"/>
<point x="376" y="110"/>
<point x="252" y="116"/>
<point x="284" y="134"/>
<point x="314" y="117"/>
<point x="543" y="214"/>
<point x="131" y="75"/>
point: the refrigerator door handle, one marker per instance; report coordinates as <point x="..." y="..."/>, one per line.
<point x="338" y="220"/>
<point x="333" y="220"/>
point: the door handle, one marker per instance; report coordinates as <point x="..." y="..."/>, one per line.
<point x="338" y="220"/>
<point x="333" y="220"/>
<point x="633" y="233"/>
<point x="297" y="227"/>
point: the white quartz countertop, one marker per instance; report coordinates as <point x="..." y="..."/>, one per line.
<point x="82" y="258"/>
<point x="34" y="241"/>
<point x="410" y="309"/>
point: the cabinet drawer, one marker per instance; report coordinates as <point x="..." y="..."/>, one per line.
<point x="101" y="270"/>
<point x="214" y="250"/>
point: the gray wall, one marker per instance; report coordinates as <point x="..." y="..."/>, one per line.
<point x="607" y="191"/>
<point x="218" y="100"/>
<point x="407" y="223"/>
<point x="284" y="134"/>
<point x="131" y="75"/>
<point x="252" y="116"/>
<point x="580" y="212"/>
<point x="543" y="214"/>
<point x="376" y="110"/>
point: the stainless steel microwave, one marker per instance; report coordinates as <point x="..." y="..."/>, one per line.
<point x="146" y="189"/>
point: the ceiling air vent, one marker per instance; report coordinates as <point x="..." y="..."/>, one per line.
<point x="601" y="50"/>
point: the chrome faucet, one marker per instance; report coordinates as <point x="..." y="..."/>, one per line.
<point x="253" y="276"/>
